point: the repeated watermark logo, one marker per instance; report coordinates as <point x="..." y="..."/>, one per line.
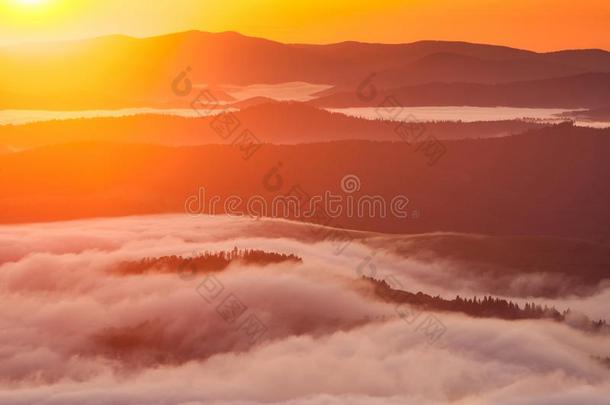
<point x="409" y="129"/>
<point x="225" y="122"/>
<point x="231" y="309"/>
<point x="429" y="325"/>
<point x="229" y="128"/>
<point x="350" y="183"/>
<point x="297" y="203"/>
<point x="307" y="207"/>
<point x="187" y="269"/>
<point x="276" y="184"/>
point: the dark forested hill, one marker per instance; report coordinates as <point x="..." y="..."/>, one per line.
<point x="545" y="182"/>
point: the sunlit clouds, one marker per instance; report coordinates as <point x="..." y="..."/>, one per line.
<point x="75" y="333"/>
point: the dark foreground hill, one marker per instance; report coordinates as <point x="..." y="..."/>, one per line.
<point x="548" y="182"/>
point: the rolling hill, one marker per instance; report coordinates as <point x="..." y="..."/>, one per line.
<point x="280" y="123"/>
<point x="590" y="90"/>
<point x="500" y="186"/>
<point x="70" y="72"/>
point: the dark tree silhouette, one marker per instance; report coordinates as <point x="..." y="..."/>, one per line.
<point x="202" y="263"/>
<point x="488" y="307"/>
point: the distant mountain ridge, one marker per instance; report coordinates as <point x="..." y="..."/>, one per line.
<point x="587" y="90"/>
<point x="139" y="72"/>
<point x="271" y="122"/>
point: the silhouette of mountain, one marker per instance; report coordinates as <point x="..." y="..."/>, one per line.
<point x="71" y="72"/>
<point x="501" y="186"/>
<point x="277" y="122"/>
<point x="454" y="67"/>
<point x="202" y="263"/>
<point x="251" y="102"/>
<point x="583" y="58"/>
<point x="580" y="91"/>
<point x="488" y="307"/>
<point x="562" y="266"/>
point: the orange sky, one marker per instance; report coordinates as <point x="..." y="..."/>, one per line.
<point x="531" y="24"/>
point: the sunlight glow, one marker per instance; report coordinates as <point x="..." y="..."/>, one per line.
<point x="30" y="2"/>
<point x="542" y="25"/>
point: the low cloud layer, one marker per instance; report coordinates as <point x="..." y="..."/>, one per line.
<point x="74" y="333"/>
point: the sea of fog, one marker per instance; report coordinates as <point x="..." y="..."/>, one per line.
<point x="424" y="114"/>
<point x="75" y="332"/>
<point x="466" y="114"/>
<point x="21" y="117"/>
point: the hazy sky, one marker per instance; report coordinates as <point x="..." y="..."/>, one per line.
<point x="532" y="24"/>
